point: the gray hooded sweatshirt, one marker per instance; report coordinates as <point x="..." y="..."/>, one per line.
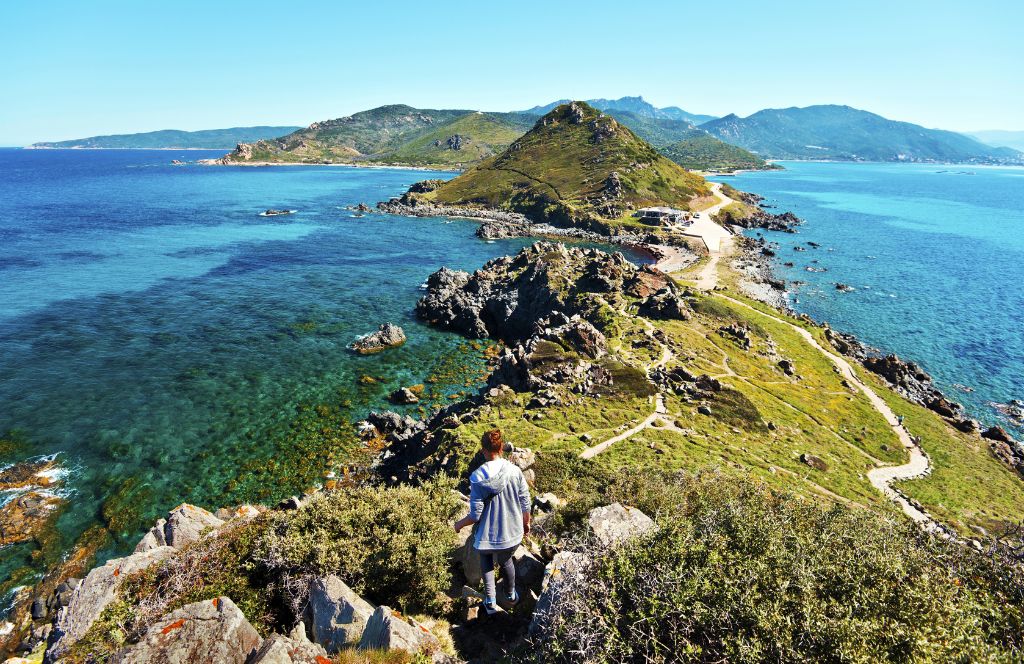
<point x="498" y="496"/>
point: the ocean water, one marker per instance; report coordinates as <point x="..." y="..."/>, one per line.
<point x="170" y="344"/>
<point x="935" y="254"/>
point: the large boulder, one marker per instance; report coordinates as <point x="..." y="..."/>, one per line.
<point x="295" y="648"/>
<point x="616" y="523"/>
<point x="208" y="631"/>
<point x="93" y="595"/>
<point x="387" y="629"/>
<point x="336" y="614"/>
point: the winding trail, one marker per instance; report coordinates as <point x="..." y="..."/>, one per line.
<point x="882" y="477"/>
<point x="719" y="244"/>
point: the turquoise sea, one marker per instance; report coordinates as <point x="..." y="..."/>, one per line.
<point x="935" y="253"/>
<point x="170" y="344"/>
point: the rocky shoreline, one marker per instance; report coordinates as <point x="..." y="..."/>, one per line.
<point x="756" y="264"/>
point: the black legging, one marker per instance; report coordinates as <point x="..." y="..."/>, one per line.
<point x="503" y="558"/>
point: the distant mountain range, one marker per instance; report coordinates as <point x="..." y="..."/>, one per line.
<point x="1000" y="138"/>
<point x="636" y="105"/>
<point x="849" y="134"/>
<point x="403" y="135"/>
<point x="212" y="139"/>
<point x="450" y="138"/>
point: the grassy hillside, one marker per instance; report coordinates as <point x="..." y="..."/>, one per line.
<point x="213" y="139"/>
<point x="844" y="133"/>
<point x="562" y="171"/>
<point x="701" y="151"/>
<point x="466" y="140"/>
<point x="393" y="134"/>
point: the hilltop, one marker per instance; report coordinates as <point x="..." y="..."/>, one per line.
<point x="577" y="167"/>
<point x="845" y="133"/>
<point x="395" y="134"/>
<point x="633" y="105"/>
<point x="211" y="139"/>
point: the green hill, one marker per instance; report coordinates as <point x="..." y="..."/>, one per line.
<point x="700" y="150"/>
<point x="213" y="139"/>
<point x="392" y="134"/>
<point x="844" y="133"/>
<point x="576" y="165"/>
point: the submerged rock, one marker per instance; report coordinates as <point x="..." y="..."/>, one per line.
<point x="388" y="336"/>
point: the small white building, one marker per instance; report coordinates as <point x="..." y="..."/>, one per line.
<point x="662" y="216"/>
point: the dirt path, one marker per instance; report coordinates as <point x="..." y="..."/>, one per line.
<point x="659" y="401"/>
<point x="883" y="477"/>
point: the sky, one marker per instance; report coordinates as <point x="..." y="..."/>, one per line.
<point x="72" y="69"/>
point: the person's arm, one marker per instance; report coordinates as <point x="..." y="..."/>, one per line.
<point x="476" y="508"/>
<point x="524" y="503"/>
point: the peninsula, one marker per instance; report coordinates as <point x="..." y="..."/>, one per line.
<point x="711" y="474"/>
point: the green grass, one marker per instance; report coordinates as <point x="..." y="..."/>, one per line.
<point x="968" y="485"/>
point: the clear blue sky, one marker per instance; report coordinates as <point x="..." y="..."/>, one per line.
<point x="72" y="68"/>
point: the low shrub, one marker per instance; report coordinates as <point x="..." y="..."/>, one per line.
<point x="739" y="573"/>
<point x="390" y="544"/>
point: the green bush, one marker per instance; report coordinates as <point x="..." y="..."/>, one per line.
<point x="390" y="544"/>
<point x="739" y="573"/>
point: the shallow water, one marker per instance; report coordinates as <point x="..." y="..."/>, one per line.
<point x="935" y="253"/>
<point x="173" y="345"/>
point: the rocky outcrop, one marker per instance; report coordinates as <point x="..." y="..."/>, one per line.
<point x="616" y="523"/>
<point x="496" y="229"/>
<point x="912" y="382"/>
<point x="184" y="524"/>
<point x="388" y="336"/>
<point x="666" y="304"/>
<point x="336" y="614"/>
<point x="94" y="594"/>
<point x="508" y="295"/>
<point x="387" y="629"/>
<point x="208" y="631"/>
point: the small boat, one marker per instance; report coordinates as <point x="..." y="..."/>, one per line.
<point x="276" y="213"/>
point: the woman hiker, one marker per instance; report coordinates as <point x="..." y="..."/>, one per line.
<point x="499" y="503"/>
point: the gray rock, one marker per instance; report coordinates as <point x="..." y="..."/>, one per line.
<point x="337" y="615"/>
<point x="522" y="457"/>
<point x="529" y="568"/>
<point x="187" y="523"/>
<point x="616" y="523"/>
<point x="558" y="574"/>
<point x="154" y="539"/>
<point x="93" y="595"/>
<point x="38" y="608"/>
<point x="468" y="558"/>
<point x="292" y="649"/>
<point x="387" y="630"/>
<point x="207" y="631"/>
<point x="814" y="462"/>
<point x="388" y="335"/>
